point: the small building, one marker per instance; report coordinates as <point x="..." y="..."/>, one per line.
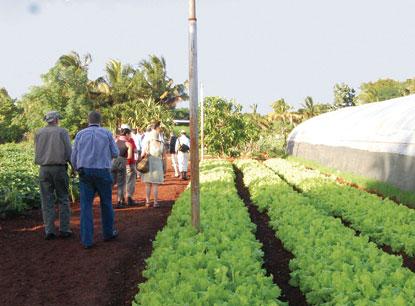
<point x="375" y="140"/>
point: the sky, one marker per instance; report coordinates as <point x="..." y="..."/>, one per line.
<point x="250" y="51"/>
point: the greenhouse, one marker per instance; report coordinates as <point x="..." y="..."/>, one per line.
<point x="375" y="140"/>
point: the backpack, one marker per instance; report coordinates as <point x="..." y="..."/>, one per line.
<point x="183" y="147"/>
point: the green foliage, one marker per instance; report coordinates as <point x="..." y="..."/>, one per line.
<point x="181" y="113"/>
<point x="331" y="265"/>
<point x="382" y="188"/>
<point x="10" y="128"/>
<point x="138" y="114"/>
<point x="225" y="127"/>
<point x="19" y="187"/>
<point x="384" y="221"/>
<point x="344" y="96"/>
<point x="383" y="89"/>
<point x="125" y="94"/>
<point x="64" y="89"/>
<point x="221" y="265"/>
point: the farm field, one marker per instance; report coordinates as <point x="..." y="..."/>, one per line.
<point x="295" y="237"/>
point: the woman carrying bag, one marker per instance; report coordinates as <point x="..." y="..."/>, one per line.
<point x="153" y="149"/>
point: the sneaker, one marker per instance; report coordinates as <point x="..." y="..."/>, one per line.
<point x="120" y="204"/>
<point x="50" y="236"/>
<point x="148" y="204"/>
<point x="65" y="235"/>
<point x="131" y="202"/>
<point x="114" y="235"/>
<point x="156" y="205"/>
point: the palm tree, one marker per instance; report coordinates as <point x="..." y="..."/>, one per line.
<point x="73" y="59"/>
<point x="309" y="108"/>
<point x="158" y="85"/>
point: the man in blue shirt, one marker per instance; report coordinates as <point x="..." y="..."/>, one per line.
<point x="92" y="154"/>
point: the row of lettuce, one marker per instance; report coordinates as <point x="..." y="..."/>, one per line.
<point x="221" y="265"/>
<point x="332" y="266"/>
<point x="384" y="221"/>
<point x="19" y="179"/>
<point x="19" y="187"/>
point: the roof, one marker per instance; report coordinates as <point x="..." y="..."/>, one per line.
<point x="386" y="126"/>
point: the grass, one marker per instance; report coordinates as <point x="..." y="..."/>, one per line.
<point x="178" y="128"/>
<point x="382" y="188"/>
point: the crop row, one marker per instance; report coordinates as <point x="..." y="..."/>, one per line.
<point x="19" y="187"/>
<point x="332" y="266"/>
<point x="384" y="221"/>
<point x="221" y="265"/>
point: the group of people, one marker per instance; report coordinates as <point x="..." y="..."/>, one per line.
<point x="101" y="161"/>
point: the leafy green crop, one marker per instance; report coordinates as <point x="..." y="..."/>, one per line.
<point x="384" y="221"/>
<point x="332" y="266"/>
<point x="19" y="187"/>
<point x="219" y="266"/>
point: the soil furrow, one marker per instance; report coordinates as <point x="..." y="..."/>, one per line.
<point x="276" y="258"/>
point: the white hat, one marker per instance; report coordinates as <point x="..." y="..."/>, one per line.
<point x="125" y="127"/>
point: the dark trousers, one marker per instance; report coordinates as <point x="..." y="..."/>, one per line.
<point x="95" y="181"/>
<point x="54" y="180"/>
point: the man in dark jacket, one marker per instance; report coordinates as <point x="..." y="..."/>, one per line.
<point x="52" y="153"/>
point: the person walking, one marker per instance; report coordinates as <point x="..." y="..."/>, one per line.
<point x="137" y="136"/>
<point x="182" y="151"/>
<point x="93" y="150"/>
<point x="173" y="155"/>
<point x="154" y="149"/>
<point x="131" y="163"/>
<point x="52" y="153"/>
<point x="119" y="166"/>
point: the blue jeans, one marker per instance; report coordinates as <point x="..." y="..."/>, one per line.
<point x="92" y="181"/>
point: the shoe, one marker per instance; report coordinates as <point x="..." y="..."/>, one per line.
<point x="131" y="202"/>
<point x="176" y="175"/>
<point x="114" y="235"/>
<point x="148" y="204"/>
<point x="50" y="236"/>
<point x="120" y="204"/>
<point x="87" y="247"/>
<point x="156" y="205"/>
<point x="65" y="235"/>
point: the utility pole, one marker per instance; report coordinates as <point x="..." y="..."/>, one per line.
<point x="194" y="114"/>
<point x="202" y="120"/>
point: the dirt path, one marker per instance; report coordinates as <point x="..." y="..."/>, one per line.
<point x="34" y="271"/>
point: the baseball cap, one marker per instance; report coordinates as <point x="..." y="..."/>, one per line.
<point x="51" y="116"/>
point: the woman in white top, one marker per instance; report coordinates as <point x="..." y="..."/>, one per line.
<point x="154" y="149"/>
<point x="182" y="150"/>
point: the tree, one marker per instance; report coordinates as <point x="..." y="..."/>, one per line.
<point x="11" y="130"/>
<point x="280" y="106"/>
<point x="64" y="89"/>
<point x="381" y="90"/>
<point x="225" y="127"/>
<point x="309" y="108"/>
<point x="344" y="96"/>
<point x="158" y="85"/>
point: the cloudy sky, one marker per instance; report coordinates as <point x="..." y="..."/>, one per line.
<point x="253" y="51"/>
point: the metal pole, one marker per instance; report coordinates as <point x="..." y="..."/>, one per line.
<point x="202" y="121"/>
<point x="194" y="114"/>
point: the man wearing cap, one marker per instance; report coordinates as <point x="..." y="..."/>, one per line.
<point x="52" y="153"/>
<point x="182" y="149"/>
<point x="92" y="154"/>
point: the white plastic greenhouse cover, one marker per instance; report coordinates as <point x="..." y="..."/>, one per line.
<point x="386" y="126"/>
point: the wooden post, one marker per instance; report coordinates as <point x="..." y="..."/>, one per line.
<point x="194" y="114"/>
<point x="202" y="121"/>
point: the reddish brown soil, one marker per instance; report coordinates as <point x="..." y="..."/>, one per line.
<point x="34" y="271"/>
<point x="276" y="258"/>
